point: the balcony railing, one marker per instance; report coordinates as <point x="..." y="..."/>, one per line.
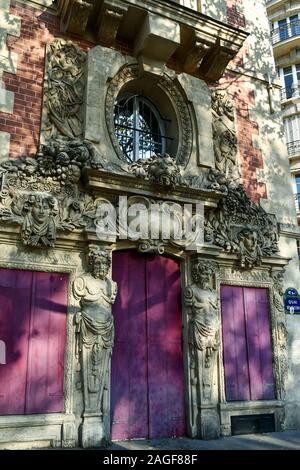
<point x="293" y="148"/>
<point x="290" y="92"/>
<point x="297" y="202"/>
<point x="285" y="32"/>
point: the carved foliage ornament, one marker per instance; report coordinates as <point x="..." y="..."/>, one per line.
<point x="42" y="194"/>
<point x="64" y="87"/>
<point x="240" y="226"/>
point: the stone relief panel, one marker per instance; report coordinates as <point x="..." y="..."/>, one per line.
<point x="279" y="332"/>
<point x="64" y="88"/>
<point x="240" y="226"/>
<point x="159" y="168"/>
<point x="96" y="293"/>
<point x="201" y="300"/>
<point x="224" y="135"/>
<point x="43" y="195"/>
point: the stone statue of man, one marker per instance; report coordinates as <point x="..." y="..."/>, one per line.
<point x="95" y="328"/>
<point x="202" y="300"/>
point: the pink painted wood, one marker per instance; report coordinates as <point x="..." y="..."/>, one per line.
<point x="259" y="344"/>
<point x="247" y="344"/>
<point x="33" y="310"/>
<point x="147" y="363"/>
<point x="45" y="376"/>
<point x="15" y="300"/>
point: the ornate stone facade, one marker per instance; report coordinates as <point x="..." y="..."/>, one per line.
<point x="56" y="202"/>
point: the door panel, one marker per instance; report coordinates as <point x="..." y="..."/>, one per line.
<point x="147" y="362"/>
<point x="165" y="369"/>
<point x="234" y="343"/>
<point x="129" y="364"/>
<point x="247" y="344"/>
<point x="33" y="307"/>
<point x="45" y="376"/>
<point x="15" y="301"/>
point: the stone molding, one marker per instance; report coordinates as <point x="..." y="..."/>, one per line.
<point x="211" y="44"/>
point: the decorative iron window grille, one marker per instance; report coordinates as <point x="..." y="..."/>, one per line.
<point x="139" y="128"/>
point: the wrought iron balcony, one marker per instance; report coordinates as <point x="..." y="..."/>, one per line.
<point x="290" y="92"/>
<point x="297" y="202"/>
<point x="285" y="32"/>
<point x="293" y="148"/>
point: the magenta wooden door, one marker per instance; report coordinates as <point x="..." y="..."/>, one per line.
<point x="247" y="344"/>
<point x="147" y="381"/>
<point x="33" y="307"/>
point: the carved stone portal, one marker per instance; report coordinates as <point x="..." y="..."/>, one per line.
<point x="95" y="338"/>
<point x="204" y="329"/>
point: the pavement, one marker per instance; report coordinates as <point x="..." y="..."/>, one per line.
<point x="288" y="440"/>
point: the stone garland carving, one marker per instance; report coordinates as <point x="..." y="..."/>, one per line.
<point x="64" y="87"/>
<point x="224" y="135"/>
<point x="130" y="73"/>
<point x="204" y="326"/>
<point x="240" y="226"/>
<point x="95" y="333"/>
<point x="281" y="364"/>
<point x="42" y="195"/>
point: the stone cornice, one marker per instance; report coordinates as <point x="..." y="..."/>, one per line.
<point x="160" y="30"/>
<point x="102" y="182"/>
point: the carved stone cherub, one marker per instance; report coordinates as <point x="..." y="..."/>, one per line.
<point x="202" y="300"/>
<point x="39" y="227"/>
<point x="95" y="328"/>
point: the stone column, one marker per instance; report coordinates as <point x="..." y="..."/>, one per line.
<point x="202" y="302"/>
<point x="95" y="337"/>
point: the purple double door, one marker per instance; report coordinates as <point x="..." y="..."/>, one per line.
<point x="147" y="380"/>
<point x="247" y="344"/>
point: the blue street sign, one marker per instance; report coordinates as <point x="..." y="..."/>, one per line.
<point x="291" y="301"/>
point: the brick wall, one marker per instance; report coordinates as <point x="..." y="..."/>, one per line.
<point x="249" y="156"/>
<point x="23" y="125"/>
<point x="241" y="90"/>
